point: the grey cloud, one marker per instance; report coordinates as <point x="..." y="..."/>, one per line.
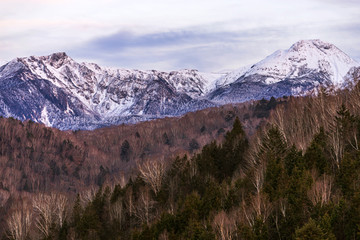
<point x="208" y="50"/>
<point x="124" y="40"/>
<point x="191" y="48"/>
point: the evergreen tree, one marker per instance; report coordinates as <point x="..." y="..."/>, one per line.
<point x="272" y="145"/>
<point x="317" y="155"/>
<point x="125" y="151"/>
<point x="293" y="159"/>
<point x="272" y="153"/>
<point x="77" y="214"/>
<point x="221" y="161"/>
<point x="299" y="183"/>
<point x="234" y="148"/>
<point x="209" y="161"/>
<point x="347" y="177"/>
<point x="310" y="231"/>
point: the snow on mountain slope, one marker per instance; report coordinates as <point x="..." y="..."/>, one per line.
<point x="305" y="54"/>
<point x="193" y="82"/>
<point x="304" y="66"/>
<point x="102" y="93"/>
<point x="87" y="81"/>
<point x="60" y="92"/>
<point x="231" y="76"/>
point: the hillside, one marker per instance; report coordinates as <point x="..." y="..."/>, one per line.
<point x="294" y="178"/>
<point x="35" y="158"/>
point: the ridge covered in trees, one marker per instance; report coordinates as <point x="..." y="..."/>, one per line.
<point x="37" y="159"/>
<point x="297" y="177"/>
<point x="264" y="189"/>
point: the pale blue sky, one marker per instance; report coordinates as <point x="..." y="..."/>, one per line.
<point x="171" y="34"/>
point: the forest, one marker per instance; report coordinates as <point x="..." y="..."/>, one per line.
<point x="296" y="176"/>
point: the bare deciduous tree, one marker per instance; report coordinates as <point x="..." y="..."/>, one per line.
<point x="315" y="111"/>
<point x="258" y="177"/>
<point x="4" y="196"/>
<point x="224" y="226"/>
<point x="320" y="193"/>
<point x="172" y="187"/>
<point x="164" y="236"/>
<point x="258" y="208"/>
<point x="19" y="222"/>
<point x="193" y="167"/>
<point x="116" y="211"/>
<point x="88" y="195"/>
<point x="144" y="205"/>
<point x="122" y="180"/>
<point x="60" y="210"/>
<point x="280" y="210"/>
<point x="129" y="201"/>
<point x="337" y="147"/>
<point x="50" y="209"/>
<point x="43" y="207"/>
<point x="152" y="172"/>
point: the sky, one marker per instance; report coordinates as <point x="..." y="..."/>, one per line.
<point x="208" y="35"/>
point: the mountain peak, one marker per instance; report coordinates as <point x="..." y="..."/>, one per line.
<point x="58" y="59"/>
<point x="58" y="55"/>
<point x="313" y="44"/>
<point x="301" y="59"/>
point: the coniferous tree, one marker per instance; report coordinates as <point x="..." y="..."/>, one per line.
<point x="293" y="159"/>
<point x="125" y="151"/>
<point x="77" y="212"/>
<point x="317" y="155"/>
<point x="221" y="161"/>
<point x="234" y="148"/>
<point x="272" y="145"/>
<point x="272" y="152"/>
<point x="310" y="231"/>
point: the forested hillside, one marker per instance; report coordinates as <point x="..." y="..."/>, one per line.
<point x="37" y="159"/>
<point x="228" y="191"/>
<point x="297" y="178"/>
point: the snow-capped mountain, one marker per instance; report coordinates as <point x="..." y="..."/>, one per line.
<point x="60" y="92"/>
<point x="304" y="66"/>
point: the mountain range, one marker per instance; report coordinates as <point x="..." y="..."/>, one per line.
<point x="60" y="92"/>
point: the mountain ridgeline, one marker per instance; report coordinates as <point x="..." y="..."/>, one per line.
<point x="59" y="92"/>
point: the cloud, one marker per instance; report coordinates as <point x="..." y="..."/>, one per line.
<point x="340" y="3"/>
<point x="209" y="48"/>
<point x="124" y="40"/>
<point x="170" y="34"/>
<point x="191" y="48"/>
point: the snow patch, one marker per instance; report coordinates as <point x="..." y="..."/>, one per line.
<point x="44" y="117"/>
